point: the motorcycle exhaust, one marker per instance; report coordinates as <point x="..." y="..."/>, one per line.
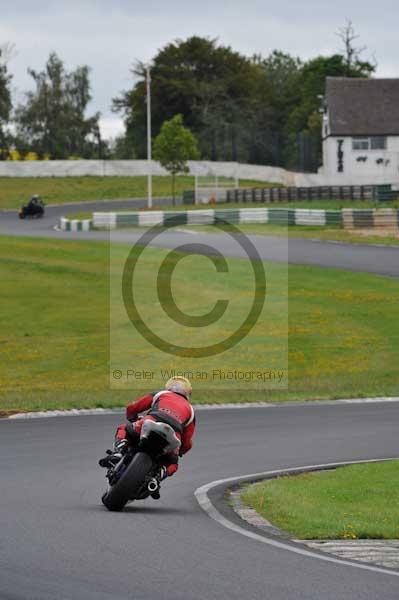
<point x="153" y="485"/>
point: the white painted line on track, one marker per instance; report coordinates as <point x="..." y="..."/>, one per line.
<point x="77" y="412"/>
<point x="364" y="401"/>
<point x="201" y="494"/>
<point x="74" y="412"/>
<point x="188" y="231"/>
<point x="348" y="243"/>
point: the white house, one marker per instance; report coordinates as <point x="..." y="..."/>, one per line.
<point x="361" y="131"/>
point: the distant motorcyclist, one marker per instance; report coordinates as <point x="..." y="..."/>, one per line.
<point x="35" y="205"/>
<point x="170" y="405"/>
<point x="34" y="201"/>
<point x="34" y="208"/>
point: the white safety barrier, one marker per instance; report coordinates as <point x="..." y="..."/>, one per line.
<point x="78" y="224"/>
<point x="278" y="216"/>
<point x="305" y="216"/>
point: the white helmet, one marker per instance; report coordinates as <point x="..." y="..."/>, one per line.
<point x="180" y="385"/>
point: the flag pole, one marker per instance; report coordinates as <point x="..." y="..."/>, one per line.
<point x="149" y="147"/>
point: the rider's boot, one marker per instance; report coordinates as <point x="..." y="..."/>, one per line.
<point x="161" y="476"/>
<point x="113" y="457"/>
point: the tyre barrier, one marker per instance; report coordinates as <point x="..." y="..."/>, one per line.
<point x="348" y="218"/>
<point x="379" y="193"/>
<point x="278" y="216"/>
<point x="382" y="218"/>
<point x="75" y="224"/>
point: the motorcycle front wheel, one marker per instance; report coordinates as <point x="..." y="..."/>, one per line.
<point x="129" y="483"/>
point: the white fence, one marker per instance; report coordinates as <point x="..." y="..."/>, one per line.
<point x="109" y="168"/>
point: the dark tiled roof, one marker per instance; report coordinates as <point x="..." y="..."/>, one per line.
<point x="363" y="106"/>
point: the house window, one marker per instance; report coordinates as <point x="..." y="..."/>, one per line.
<point x="360" y="143"/>
<point x="378" y="142"/>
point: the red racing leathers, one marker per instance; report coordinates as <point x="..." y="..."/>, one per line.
<point x="169" y="406"/>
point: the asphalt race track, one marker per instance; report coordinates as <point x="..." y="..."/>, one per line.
<point x="383" y="260"/>
<point x="58" y="542"/>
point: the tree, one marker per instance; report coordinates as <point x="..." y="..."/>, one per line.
<point x="52" y="121"/>
<point x="279" y="95"/>
<point x="174" y="146"/>
<point x="259" y="110"/>
<point x="351" y="54"/>
<point x="210" y="85"/>
<point x="120" y="149"/>
<point x="5" y="103"/>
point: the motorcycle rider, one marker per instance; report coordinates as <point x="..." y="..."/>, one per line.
<point x="35" y="205"/>
<point x="170" y="405"/>
<point x="33" y="202"/>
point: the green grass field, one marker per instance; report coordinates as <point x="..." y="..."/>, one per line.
<point x="343" y="327"/>
<point x="355" y="502"/>
<point x="15" y="191"/>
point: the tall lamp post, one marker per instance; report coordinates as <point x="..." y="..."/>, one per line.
<point x="149" y="148"/>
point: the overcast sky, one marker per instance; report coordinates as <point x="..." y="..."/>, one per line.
<point x="110" y="35"/>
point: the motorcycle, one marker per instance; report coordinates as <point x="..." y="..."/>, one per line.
<point x="137" y="475"/>
<point x="35" y="211"/>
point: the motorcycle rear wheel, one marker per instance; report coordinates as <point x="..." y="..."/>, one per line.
<point x="129" y="483"/>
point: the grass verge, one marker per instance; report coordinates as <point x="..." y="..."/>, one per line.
<point x="15" y="191"/>
<point x="54" y="327"/>
<point x="355" y="502"/>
